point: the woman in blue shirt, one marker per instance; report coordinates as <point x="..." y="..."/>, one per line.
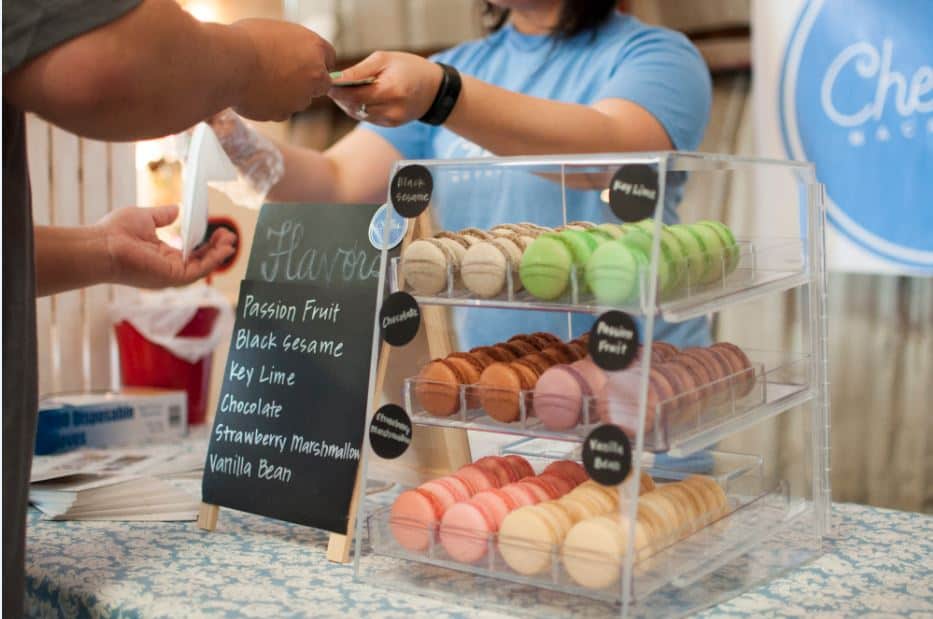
<point x="553" y="77"/>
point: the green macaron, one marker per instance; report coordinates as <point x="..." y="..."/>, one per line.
<point x="582" y="246"/>
<point x="545" y="267"/>
<point x="715" y="247"/>
<point x="732" y="250"/>
<point x="697" y="256"/>
<point x="613" y="230"/>
<point x="612" y="273"/>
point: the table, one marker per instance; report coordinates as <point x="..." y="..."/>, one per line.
<point x="880" y="562"/>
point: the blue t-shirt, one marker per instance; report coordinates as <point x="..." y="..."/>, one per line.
<point x="658" y="69"/>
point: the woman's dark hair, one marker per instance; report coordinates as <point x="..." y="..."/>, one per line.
<point x="576" y="16"/>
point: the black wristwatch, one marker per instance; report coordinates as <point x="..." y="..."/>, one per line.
<point x="446" y="97"/>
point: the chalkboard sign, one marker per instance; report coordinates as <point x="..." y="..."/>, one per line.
<point x="289" y="427"/>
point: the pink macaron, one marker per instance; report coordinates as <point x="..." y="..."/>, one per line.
<point x="465" y="530"/>
<point x="558" y="397"/>
<point x="495" y="465"/>
<point x="477" y="477"/>
<point x="460" y="490"/>
<point x="521" y="494"/>
<point x="413" y="517"/>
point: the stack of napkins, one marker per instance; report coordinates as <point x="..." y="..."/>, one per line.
<point x="96" y="484"/>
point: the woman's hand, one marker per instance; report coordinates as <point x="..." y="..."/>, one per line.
<point x="138" y="258"/>
<point x="405" y="87"/>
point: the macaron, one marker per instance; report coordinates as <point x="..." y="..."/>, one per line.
<point x="437" y="388"/>
<point x="573" y="471"/>
<point x="477" y="478"/>
<point x="558" y="481"/>
<point x="465" y="531"/>
<point x="520" y="465"/>
<point x="526" y="538"/>
<point x="593" y="549"/>
<point x="612" y="274"/>
<point x="424" y="266"/>
<point x="456" y="486"/>
<point x="743" y="372"/>
<point x="484" y="269"/>
<point x="497" y="503"/>
<point x="500" y="387"/>
<point x="558" y="397"/>
<point x="521" y="494"/>
<point x="731" y="250"/>
<point x="700" y="374"/>
<point x="697" y="257"/>
<point x="443" y="493"/>
<point x="469" y="369"/>
<point x="718" y="250"/>
<point x="502" y="471"/>
<point x="613" y="230"/>
<point x="412" y="519"/>
<point x="665" y="349"/>
<point x="545" y="267"/>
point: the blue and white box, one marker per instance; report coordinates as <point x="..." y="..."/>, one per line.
<point x="129" y="418"/>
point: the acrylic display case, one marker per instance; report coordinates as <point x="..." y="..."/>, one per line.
<point x="763" y="512"/>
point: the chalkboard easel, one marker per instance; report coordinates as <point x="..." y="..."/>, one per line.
<point x="455" y="452"/>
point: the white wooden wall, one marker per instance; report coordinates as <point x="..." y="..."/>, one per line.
<point x="76" y="181"/>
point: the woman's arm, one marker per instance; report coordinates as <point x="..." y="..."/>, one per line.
<point x="503" y="122"/>
<point x="355" y="169"/>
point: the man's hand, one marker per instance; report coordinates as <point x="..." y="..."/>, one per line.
<point x="139" y="258"/>
<point x="292" y="67"/>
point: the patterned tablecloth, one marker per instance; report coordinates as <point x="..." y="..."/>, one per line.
<point x="880" y="563"/>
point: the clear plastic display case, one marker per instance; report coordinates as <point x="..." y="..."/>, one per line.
<point x="532" y="247"/>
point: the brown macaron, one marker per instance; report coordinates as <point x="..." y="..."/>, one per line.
<point x="538" y="361"/>
<point x="471" y="369"/>
<point x="742" y="369"/>
<point x="522" y="347"/>
<point x="688" y="405"/>
<point x="580" y="348"/>
<point x="666" y="350"/>
<point x="438" y="387"/>
<point x="700" y="374"/>
<point x="550" y="337"/>
<point x="499" y="391"/>
<point x="718" y="371"/>
<point x="496" y="354"/>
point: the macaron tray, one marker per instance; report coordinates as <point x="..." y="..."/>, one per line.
<point x="533" y="534"/>
<point x="584" y="266"/>
<point x="559" y="530"/>
<point x="536" y="385"/>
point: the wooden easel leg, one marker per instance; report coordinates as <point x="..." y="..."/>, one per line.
<point x="207" y="516"/>
<point x="338" y="545"/>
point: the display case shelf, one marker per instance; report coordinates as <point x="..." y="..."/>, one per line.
<point x="764" y="266"/>
<point x="754" y="513"/>
<point x="680" y="425"/>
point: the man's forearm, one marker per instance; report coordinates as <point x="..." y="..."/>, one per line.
<point x="69" y="258"/>
<point x="154" y="71"/>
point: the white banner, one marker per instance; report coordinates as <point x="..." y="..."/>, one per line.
<point x="848" y="85"/>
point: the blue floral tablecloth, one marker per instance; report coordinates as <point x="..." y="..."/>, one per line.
<point x="880" y="563"/>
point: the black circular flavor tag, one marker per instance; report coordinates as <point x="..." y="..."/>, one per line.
<point x="633" y="192"/>
<point x="390" y="432"/>
<point x="614" y="341"/>
<point x="399" y="318"/>
<point x="607" y="455"/>
<point x="411" y="189"/>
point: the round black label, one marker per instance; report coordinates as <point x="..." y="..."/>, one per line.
<point x="399" y="318"/>
<point x="614" y="341"/>
<point x="633" y="192"/>
<point x="607" y="455"/>
<point x="390" y="432"/>
<point x="411" y="190"/>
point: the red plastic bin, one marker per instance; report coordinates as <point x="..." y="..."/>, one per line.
<point x="145" y="364"/>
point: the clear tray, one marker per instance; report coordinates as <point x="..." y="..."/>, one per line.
<point x="763" y="266"/>
<point x="680" y="425"/>
<point x="754" y="514"/>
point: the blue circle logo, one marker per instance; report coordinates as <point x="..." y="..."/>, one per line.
<point x="856" y="99"/>
<point x="398" y="226"/>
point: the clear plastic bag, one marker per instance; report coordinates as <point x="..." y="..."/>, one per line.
<point x="258" y="161"/>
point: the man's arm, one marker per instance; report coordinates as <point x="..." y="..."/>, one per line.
<point x="157" y="70"/>
<point x="122" y="248"/>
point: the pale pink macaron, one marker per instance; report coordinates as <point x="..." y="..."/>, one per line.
<point x="521" y="494"/>
<point x="497" y="502"/>
<point x="456" y="486"/>
<point x="465" y="530"/>
<point x="477" y="477"/>
<point x="558" y="397"/>
<point x="413" y="518"/>
<point x="540" y="490"/>
<point x="440" y="492"/>
<point x="545" y="484"/>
